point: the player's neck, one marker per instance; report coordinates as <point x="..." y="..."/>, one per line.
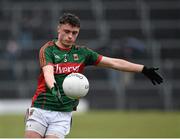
<point x="61" y="46"/>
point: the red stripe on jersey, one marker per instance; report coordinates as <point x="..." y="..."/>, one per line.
<point x="42" y="58"/>
<point x="41" y="87"/>
<point x="98" y="60"/>
<point x="67" y="68"/>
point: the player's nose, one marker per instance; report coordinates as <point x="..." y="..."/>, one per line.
<point x="70" y="35"/>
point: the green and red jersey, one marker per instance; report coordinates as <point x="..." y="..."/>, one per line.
<point x="64" y="61"/>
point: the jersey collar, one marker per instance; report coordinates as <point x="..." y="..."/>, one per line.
<point x="63" y="49"/>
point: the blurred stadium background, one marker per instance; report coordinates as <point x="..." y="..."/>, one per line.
<point x="141" y="31"/>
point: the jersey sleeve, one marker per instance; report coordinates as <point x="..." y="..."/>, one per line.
<point x="92" y="57"/>
<point x="45" y="56"/>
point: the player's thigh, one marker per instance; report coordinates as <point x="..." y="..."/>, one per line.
<point x="34" y="129"/>
<point x="32" y="134"/>
<point x="35" y="125"/>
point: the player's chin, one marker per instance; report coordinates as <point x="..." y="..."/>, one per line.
<point x="68" y="44"/>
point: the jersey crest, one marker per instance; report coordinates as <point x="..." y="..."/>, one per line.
<point x="76" y="57"/>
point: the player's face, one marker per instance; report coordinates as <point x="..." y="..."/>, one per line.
<point x="67" y="34"/>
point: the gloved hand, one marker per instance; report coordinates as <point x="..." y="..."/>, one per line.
<point x="56" y="92"/>
<point x="152" y="75"/>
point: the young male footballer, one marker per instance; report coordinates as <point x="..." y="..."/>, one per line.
<point x="51" y="111"/>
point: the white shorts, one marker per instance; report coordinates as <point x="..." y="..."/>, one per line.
<point x="46" y="122"/>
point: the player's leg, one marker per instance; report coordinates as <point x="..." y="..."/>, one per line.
<point x="59" y="125"/>
<point x="34" y="129"/>
<point x="55" y="134"/>
<point x="35" y="124"/>
<point x="32" y="134"/>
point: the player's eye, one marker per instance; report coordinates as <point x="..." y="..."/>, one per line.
<point x="67" y="31"/>
<point x="74" y="32"/>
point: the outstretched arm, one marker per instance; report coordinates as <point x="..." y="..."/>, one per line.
<point x="123" y="65"/>
<point x="120" y="64"/>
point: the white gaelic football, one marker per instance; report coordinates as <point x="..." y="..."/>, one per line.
<point x="75" y="85"/>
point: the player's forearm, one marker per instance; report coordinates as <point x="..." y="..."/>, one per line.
<point x="123" y="65"/>
<point x="49" y="79"/>
<point x="49" y="76"/>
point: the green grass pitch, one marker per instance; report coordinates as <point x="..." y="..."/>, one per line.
<point x="107" y="124"/>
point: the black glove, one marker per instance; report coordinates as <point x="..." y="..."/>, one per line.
<point x="152" y="75"/>
<point x="56" y="92"/>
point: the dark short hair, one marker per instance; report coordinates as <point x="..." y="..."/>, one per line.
<point x="71" y="19"/>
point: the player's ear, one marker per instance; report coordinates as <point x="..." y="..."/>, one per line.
<point x="58" y="28"/>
